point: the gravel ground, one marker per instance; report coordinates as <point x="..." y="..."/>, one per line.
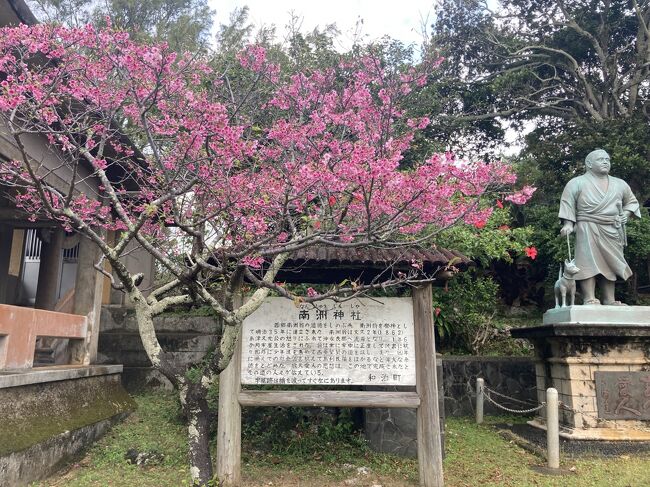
<point x="534" y="439"/>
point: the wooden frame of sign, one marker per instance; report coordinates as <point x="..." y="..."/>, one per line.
<point x="425" y="399"/>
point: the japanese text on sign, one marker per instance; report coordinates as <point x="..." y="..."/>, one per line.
<point x="359" y="342"/>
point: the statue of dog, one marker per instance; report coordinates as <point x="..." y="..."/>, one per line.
<point x="566" y="284"/>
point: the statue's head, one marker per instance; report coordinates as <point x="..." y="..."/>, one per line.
<point x="598" y="162"/>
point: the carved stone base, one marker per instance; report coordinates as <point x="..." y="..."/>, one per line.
<point x="577" y="350"/>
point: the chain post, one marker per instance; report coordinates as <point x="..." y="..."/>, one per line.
<point x="480" y="392"/>
<point x="552" y="429"/>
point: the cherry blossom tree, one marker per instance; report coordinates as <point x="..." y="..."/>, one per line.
<point x="218" y="192"/>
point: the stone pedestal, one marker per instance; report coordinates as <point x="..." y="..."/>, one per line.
<point x="598" y="358"/>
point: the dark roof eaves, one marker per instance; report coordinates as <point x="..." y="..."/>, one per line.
<point x="23" y="12"/>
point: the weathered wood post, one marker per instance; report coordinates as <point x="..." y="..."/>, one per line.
<point x="229" y="418"/>
<point x="428" y="415"/>
<point x="479" y="400"/>
<point x="229" y="424"/>
<point x="89" y="283"/>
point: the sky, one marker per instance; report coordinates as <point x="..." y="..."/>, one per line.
<point x="401" y="19"/>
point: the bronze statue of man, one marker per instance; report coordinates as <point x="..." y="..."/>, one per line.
<point x="596" y="206"/>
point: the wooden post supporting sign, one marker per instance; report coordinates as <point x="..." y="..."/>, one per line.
<point x="229" y="423"/>
<point x="428" y="415"/>
<point x="229" y="418"/>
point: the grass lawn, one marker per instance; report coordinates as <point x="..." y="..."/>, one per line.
<point x="476" y="456"/>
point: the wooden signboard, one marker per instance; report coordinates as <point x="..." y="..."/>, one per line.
<point x="387" y="341"/>
<point x="357" y="342"/>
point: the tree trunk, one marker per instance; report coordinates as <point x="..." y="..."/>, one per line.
<point x="195" y="407"/>
<point x="193" y="394"/>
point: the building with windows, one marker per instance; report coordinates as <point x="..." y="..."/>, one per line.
<point x="50" y="305"/>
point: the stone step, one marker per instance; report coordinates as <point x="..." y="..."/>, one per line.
<point x="127" y="349"/>
<point x="177" y="342"/>
<point x="119" y="319"/>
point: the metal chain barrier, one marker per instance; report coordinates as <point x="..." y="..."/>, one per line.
<point x="552" y="416"/>
<point x="527" y="403"/>
<point x="514" y="411"/>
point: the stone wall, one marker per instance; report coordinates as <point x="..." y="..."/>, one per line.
<point x="187" y="337"/>
<point x="394" y="430"/>
<point x="511" y="376"/>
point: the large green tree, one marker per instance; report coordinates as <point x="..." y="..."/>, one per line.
<point x="584" y="59"/>
<point x="184" y="24"/>
<point x="577" y="72"/>
<point x="576" y="68"/>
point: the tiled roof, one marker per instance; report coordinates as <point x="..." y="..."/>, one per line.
<point x="377" y="256"/>
<point x="324" y="264"/>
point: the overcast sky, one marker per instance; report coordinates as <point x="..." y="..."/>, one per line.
<point x="400" y="19"/>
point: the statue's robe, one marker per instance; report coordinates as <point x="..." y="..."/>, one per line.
<point x="600" y="237"/>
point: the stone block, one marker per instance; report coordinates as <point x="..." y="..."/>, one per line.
<point x="578" y="372"/>
<point x="586" y="405"/>
<point x="565" y="399"/>
<point x="557" y="349"/>
<point x="598" y="314"/>
<point x="574" y="345"/>
<point x="453" y="407"/>
<point x="392" y="430"/>
<point x="638" y="368"/>
<point x="563" y="386"/>
<point x="586" y="422"/>
<point x="120" y="318"/>
<point x="492" y="375"/>
<point x="626" y="352"/>
<point x="559" y="371"/>
<point x="612" y="367"/>
<point x="581" y="388"/>
<point x="136" y="379"/>
<point x="515" y="388"/>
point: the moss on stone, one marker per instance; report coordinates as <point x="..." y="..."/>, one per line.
<point x="34" y="413"/>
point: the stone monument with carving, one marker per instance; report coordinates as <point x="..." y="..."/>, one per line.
<point x="597" y="355"/>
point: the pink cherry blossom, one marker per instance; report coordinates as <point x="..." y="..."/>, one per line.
<point x="324" y="166"/>
<point x="522" y="196"/>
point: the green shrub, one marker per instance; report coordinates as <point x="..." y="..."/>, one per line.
<point x="464" y="312"/>
<point x="300" y="431"/>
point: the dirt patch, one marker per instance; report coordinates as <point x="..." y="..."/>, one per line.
<point x="291" y="479"/>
